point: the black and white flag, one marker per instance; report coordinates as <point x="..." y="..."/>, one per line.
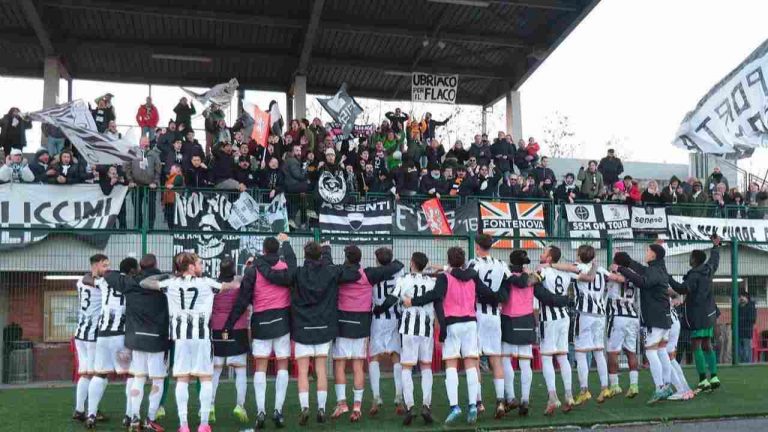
<point x="598" y="221"/>
<point x="220" y="94"/>
<point x="363" y="221"/>
<point x="75" y="121"/>
<point x="343" y="108"/>
<point x="332" y="188"/>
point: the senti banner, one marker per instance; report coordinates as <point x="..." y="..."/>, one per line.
<point x="693" y="228"/>
<point x="731" y="117"/>
<point x="54" y="206"/>
<point x="649" y="219"/>
<point x="431" y="88"/>
<point x="369" y="218"/>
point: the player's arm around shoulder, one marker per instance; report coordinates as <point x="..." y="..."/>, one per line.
<point x="155" y="282"/>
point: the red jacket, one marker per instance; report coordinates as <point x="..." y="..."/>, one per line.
<point x="533" y="149"/>
<point x="147" y="117"/>
<point x="634" y="193"/>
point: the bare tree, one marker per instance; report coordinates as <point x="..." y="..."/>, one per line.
<point x="620" y="145"/>
<point x="558" y="136"/>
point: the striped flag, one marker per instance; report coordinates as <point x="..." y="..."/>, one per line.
<point x="518" y="219"/>
<point x="76" y="122"/>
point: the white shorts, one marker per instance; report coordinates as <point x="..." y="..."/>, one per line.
<point x="655" y="336"/>
<point x="153" y="365"/>
<point x="281" y="346"/>
<point x="489" y="334"/>
<point x="519" y="351"/>
<point x="112" y="355"/>
<point x="86" y="356"/>
<point x="590" y="333"/>
<point x="622" y="334"/>
<point x="385" y="338"/>
<point x="554" y="337"/>
<point x="240" y="360"/>
<point x="316" y="350"/>
<point x="350" y="349"/>
<point x="461" y="341"/>
<point x="416" y="349"/>
<point x="674" y="335"/>
<point x="193" y="357"/>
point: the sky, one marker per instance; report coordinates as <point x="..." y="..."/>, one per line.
<point x="627" y="74"/>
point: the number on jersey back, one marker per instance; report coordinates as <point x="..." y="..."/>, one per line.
<point x="416" y="320"/>
<point x="190" y="302"/>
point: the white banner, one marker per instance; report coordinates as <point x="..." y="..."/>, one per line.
<point x="220" y="94"/>
<point x="76" y="122"/>
<point x="46" y="206"/>
<point x="598" y="221"/>
<point x="694" y="228"/>
<point x="431" y="88"/>
<point x="649" y="219"/>
<point x="247" y="210"/>
<point x="731" y="118"/>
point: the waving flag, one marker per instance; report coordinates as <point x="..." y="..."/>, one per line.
<point x="436" y="219"/>
<point x="220" y="94"/>
<point x="260" y="132"/>
<point x="343" y="108"/>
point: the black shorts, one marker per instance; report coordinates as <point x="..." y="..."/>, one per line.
<point x="236" y="344"/>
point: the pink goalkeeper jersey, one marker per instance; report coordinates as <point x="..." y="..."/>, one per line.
<point x="459" y="298"/>
<point x="222" y="306"/>
<point x="520" y="302"/>
<point x="356" y="296"/>
<point x="267" y="295"/>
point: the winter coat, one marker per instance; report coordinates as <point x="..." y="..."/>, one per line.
<point x="652" y="281"/>
<point x="699" y="308"/>
<point x="460" y="155"/>
<point x="144" y="171"/>
<point x="147" y="117"/>
<point x="16" y="173"/>
<point x="13" y="136"/>
<point x="501" y="148"/>
<point x="591" y="183"/>
<point x="184" y="114"/>
<point x="611" y="168"/>
<point x="482" y="153"/>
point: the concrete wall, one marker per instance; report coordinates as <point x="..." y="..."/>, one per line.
<point x="641" y="171"/>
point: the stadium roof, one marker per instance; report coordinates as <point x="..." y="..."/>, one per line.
<point x="372" y="45"/>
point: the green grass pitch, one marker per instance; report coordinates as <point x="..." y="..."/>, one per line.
<point x="741" y="395"/>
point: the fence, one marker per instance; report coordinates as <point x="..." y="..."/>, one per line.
<point x="38" y="303"/>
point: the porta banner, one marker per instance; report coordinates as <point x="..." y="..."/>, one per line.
<point x="598" y="221"/>
<point x="431" y="88"/>
<point x="649" y="219"/>
<point x="369" y="219"/>
<point x="409" y="218"/>
<point x="694" y="228"/>
<point x="731" y="117"/>
<point x="513" y="219"/>
<point x="54" y="206"/>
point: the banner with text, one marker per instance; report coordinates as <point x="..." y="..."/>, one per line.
<point x="369" y="223"/>
<point x="409" y="218"/>
<point x="598" y="221"/>
<point x="54" y="206"/>
<point x="695" y="228"/>
<point x="513" y="219"/>
<point x="431" y="88"/>
<point x="649" y="219"/>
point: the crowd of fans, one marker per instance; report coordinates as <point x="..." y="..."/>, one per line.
<point x="402" y="157"/>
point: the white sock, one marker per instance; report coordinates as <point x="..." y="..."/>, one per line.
<point x="526" y="378"/>
<point x="95" y="391"/>
<point x="241" y="386"/>
<point x="613" y="379"/>
<point x="602" y="367"/>
<point x="81" y="393"/>
<point x="666" y="366"/>
<point x="548" y="369"/>
<point x="128" y="387"/>
<point x="182" y="397"/>
<point x="260" y="390"/>
<point x="341" y="392"/>
<point x="566" y="374"/>
<point x="321" y="399"/>
<point x="479" y="385"/>
<point x="677" y="370"/>
<point x="426" y="386"/>
<point x="582" y="367"/>
<point x="633" y="374"/>
<point x="452" y="386"/>
<point x="304" y="399"/>
<point x="357" y="394"/>
<point x="281" y="388"/>
<point x="155" y="395"/>
<point x="206" y="392"/>
<point x="498" y="387"/>
<point x="397" y="371"/>
<point x="138" y="396"/>
<point x="408" y="387"/>
<point x="509" y="378"/>
<point x="215" y="384"/>
<point x="374" y="374"/>
<point x="655" y="364"/>
<point x="471" y="374"/>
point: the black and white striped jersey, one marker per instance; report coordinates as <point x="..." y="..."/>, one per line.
<point x="621" y="299"/>
<point x="190" y="303"/>
<point x="557" y="282"/>
<point x="112" y="321"/>
<point x="416" y="320"/>
<point x="589" y="295"/>
<point x="90" y="310"/>
<point x="383" y="289"/>
<point x="673" y="313"/>
<point x="492" y="272"/>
